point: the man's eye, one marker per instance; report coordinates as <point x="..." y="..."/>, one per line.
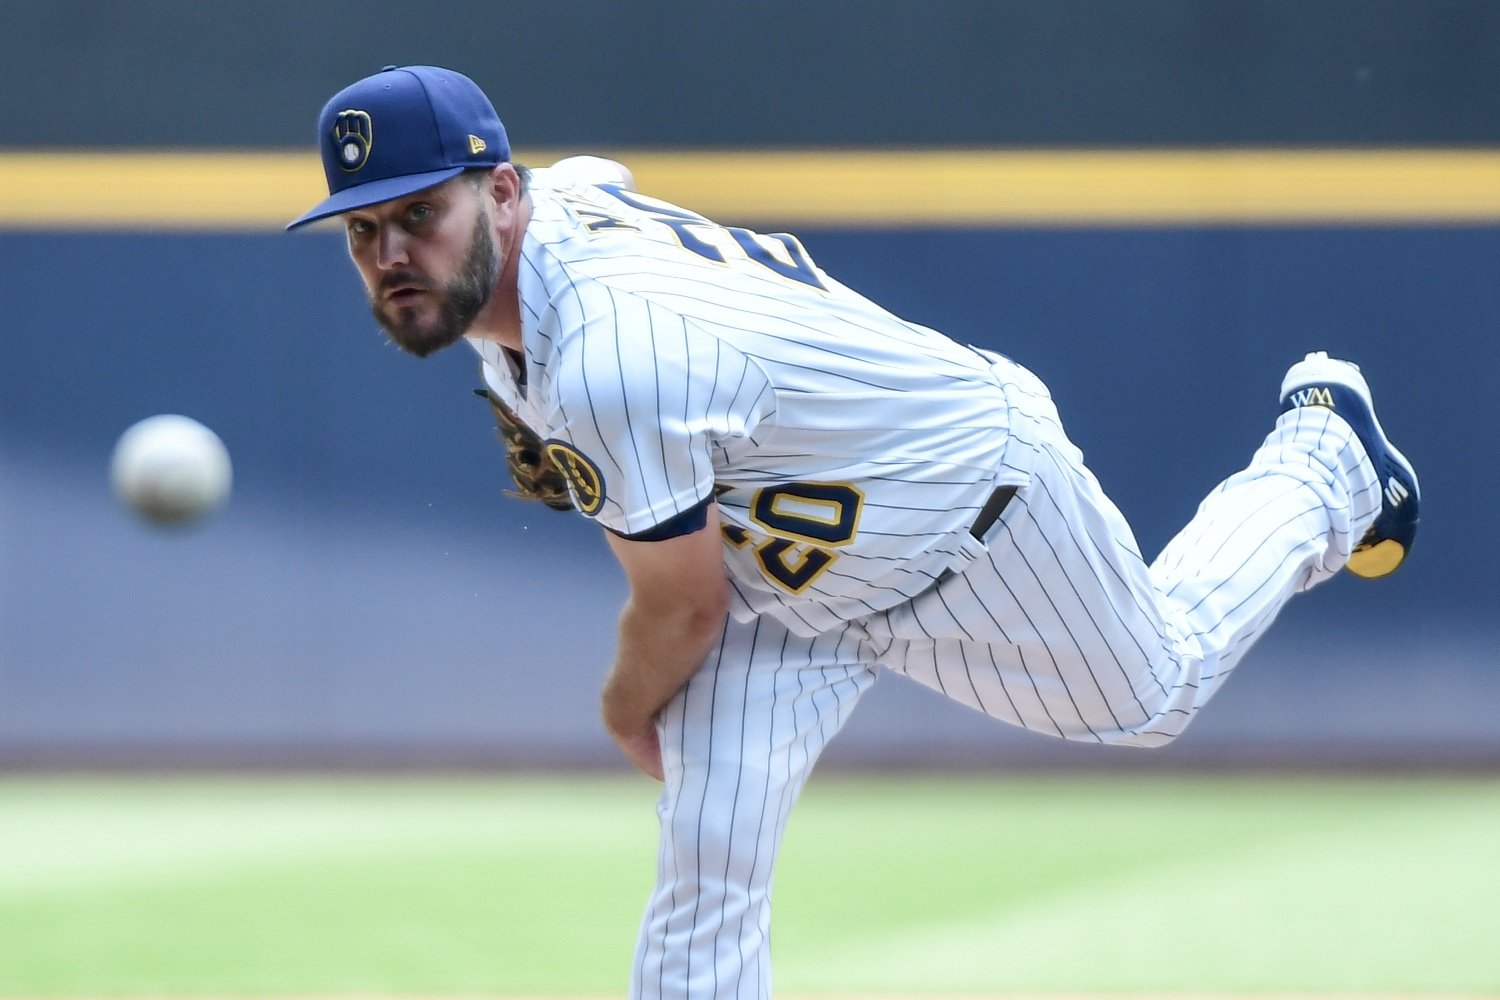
<point x="360" y="227"/>
<point x="419" y="213"/>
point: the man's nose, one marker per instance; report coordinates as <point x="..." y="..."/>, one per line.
<point x="390" y="250"/>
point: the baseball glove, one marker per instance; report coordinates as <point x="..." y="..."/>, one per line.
<point x="535" y="476"/>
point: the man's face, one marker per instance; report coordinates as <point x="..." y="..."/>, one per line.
<point x="428" y="262"/>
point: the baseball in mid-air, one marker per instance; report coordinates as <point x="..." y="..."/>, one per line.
<point x="171" y="469"/>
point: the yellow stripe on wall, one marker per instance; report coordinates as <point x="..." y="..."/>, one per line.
<point x="1085" y="188"/>
<point x="257" y="191"/>
<point x="89" y="190"/>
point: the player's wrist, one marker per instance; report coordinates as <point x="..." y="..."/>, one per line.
<point x="624" y="714"/>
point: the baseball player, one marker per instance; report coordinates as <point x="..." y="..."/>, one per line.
<point x="803" y="488"/>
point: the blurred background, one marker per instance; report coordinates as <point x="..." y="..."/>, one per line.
<point x="1328" y="177"/>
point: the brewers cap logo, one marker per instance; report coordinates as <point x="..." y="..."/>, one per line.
<point x="583" y="476"/>
<point x="353" y="135"/>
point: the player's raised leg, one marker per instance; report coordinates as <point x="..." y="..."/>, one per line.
<point x="737" y="745"/>
<point x="1328" y="453"/>
<point x="1066" y="630"/>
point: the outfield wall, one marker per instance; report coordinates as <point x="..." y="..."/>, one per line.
<point x="369" y="590"/>
<point x="369" y="595"/>
<point x="95" y="74"/>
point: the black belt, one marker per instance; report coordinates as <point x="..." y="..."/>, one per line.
<point x="991" y="511"/>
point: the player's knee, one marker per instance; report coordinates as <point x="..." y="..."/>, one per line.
<point x="703" y="836"/>
<point x="1156" y="731"/>
<point x="1148" y="740"/>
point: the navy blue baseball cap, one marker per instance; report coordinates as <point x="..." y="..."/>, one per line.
<point x="403" y="130"/>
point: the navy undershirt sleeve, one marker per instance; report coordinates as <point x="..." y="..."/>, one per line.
<point x="691" y="520"/>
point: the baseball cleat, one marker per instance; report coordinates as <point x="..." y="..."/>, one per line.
<point x="1319" y="380"/>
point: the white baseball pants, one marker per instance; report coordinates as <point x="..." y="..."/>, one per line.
<point x="1063" y="629"/>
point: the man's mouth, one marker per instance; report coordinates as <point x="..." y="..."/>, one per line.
<point x="404" y="294"/>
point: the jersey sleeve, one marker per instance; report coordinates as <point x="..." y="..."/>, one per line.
<point x="643" y="400"/>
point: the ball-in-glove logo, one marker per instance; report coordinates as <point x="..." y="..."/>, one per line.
<point x="353" y="135"/>
<point x="582" y="474"/>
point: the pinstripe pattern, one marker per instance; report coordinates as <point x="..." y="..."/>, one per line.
<point x="1065" y="629"/>
<point x="681" y="375"/>
<point x="1061" y="628"/>
<point x="737" y="745"/>
<point x="688" y="372"/>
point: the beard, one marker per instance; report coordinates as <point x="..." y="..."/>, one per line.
<point x="458" y="302"/>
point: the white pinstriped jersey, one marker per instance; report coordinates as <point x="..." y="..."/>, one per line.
<point x="668" y="358"/>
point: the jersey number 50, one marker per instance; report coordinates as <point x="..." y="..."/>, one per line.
<point x="805" y="521"/>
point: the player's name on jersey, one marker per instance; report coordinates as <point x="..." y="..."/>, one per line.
<point x="983" y="188"/>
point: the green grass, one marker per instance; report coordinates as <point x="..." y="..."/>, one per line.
<point x="298" y="886"/>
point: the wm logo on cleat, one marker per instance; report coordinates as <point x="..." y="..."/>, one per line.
<point x="1313" y="396"/>
<point x="1395" y="493"/>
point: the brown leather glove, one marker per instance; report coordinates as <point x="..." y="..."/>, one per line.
<point x="535" y="476"/>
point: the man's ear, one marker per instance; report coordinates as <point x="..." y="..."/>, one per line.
<point x="505" y="184"/>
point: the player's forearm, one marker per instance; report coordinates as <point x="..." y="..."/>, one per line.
<point x="659" y="650"/>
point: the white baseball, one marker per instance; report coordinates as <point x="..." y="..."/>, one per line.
<point x="171" y="469"/>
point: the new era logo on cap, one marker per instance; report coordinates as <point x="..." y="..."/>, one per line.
<point x="432" y="125"/>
